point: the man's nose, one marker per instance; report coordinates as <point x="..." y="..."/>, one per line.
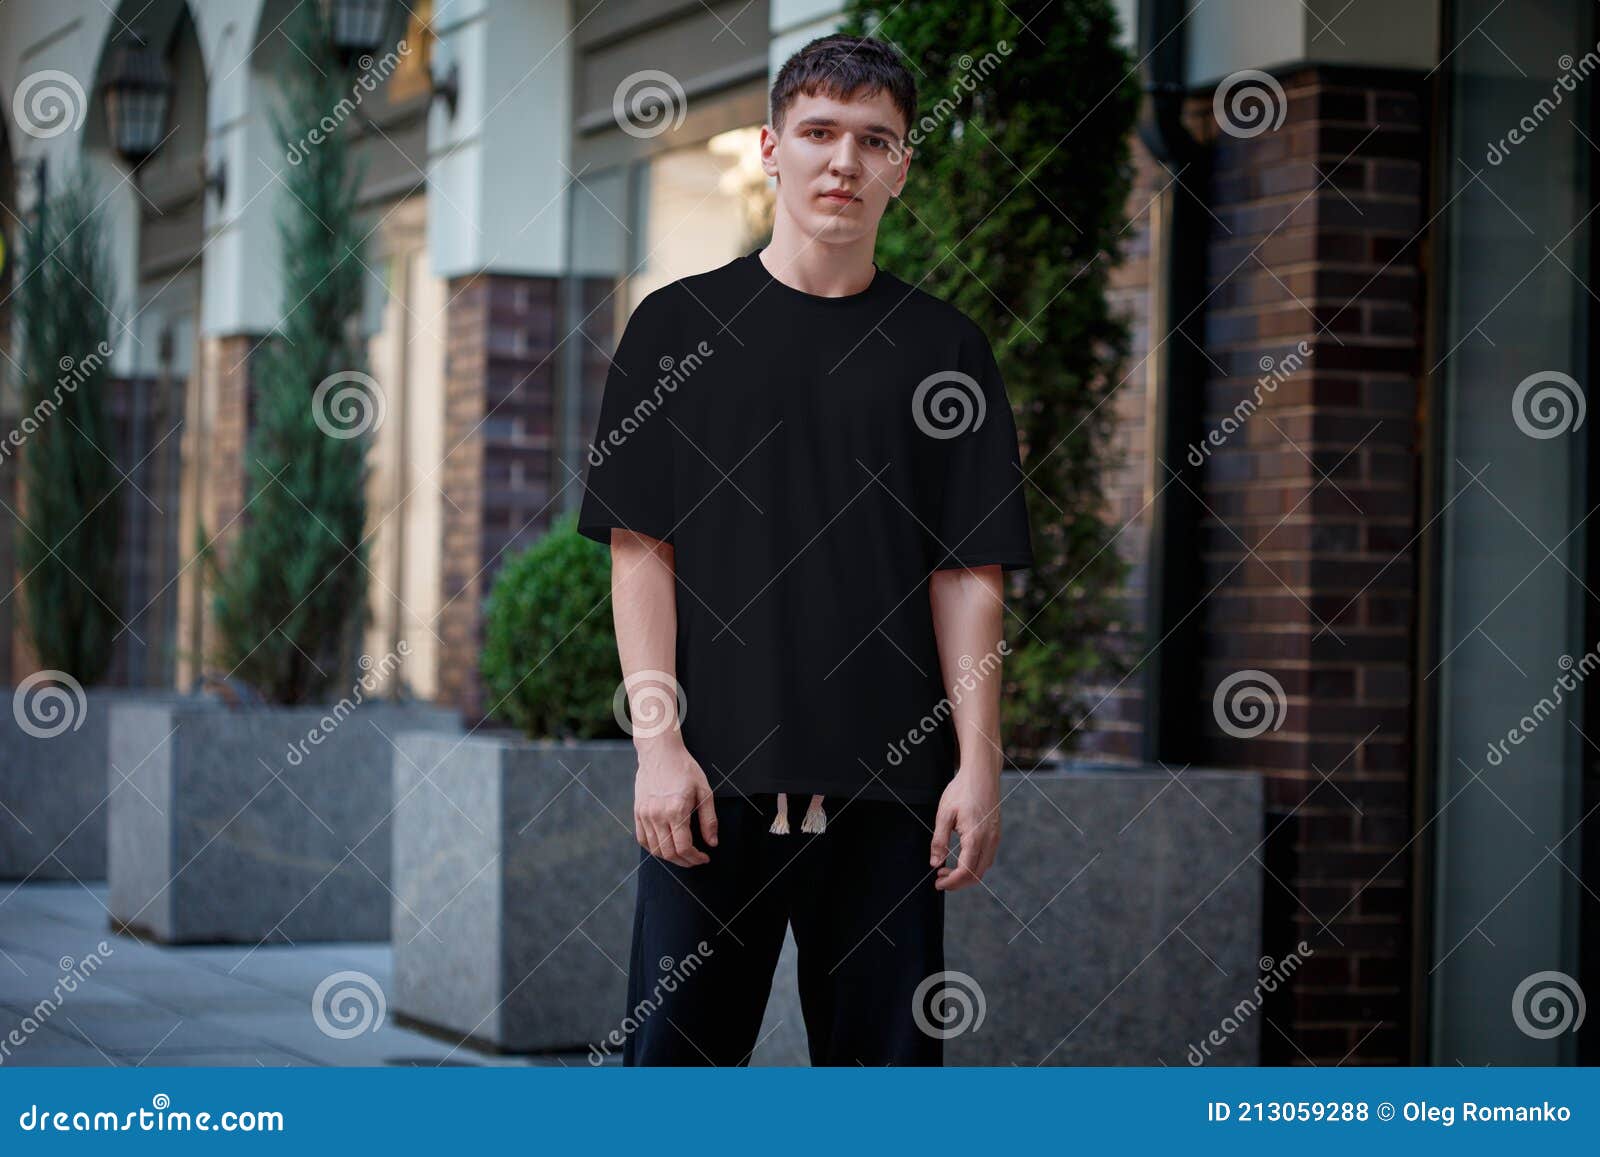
<point x="845" y="156"/>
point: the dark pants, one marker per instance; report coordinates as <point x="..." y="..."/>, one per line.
<point x="868" y="926"/>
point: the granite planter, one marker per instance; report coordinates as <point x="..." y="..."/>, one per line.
<point x="1121" y="924"/>
<point x="54" y="796"/>
<point x="513" y="882"/>
<point x="255" y="824"/>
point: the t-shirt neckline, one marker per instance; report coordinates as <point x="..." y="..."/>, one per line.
<point x="879" y="279"/>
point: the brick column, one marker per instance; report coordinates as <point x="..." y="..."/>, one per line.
<point x="499" y="477"/>
<point x="1309" y="534"/>
<point x="217" y="408"/>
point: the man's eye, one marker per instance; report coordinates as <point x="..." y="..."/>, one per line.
<point x="877" y="142"/>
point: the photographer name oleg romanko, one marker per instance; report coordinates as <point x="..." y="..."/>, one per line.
<point x="1447" y="1115"/>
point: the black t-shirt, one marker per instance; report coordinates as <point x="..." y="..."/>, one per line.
<point x="812" y="460"/>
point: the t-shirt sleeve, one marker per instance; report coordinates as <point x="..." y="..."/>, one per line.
<point x="629" y="482"/>
<point x="983" y="515"/>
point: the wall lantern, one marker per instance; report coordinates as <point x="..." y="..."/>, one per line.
<point x="137" y="91"/>
<point x="356" y="26"/>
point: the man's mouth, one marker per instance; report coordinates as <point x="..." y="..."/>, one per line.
<point x="841" y="198"/>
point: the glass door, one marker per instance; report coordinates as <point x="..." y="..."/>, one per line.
<point x="1511" y="641"/>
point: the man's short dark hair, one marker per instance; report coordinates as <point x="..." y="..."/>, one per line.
<point x="844" y="67"/>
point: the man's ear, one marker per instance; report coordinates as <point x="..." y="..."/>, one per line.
<point x="768" y="146"/>
<point x="905" y="173"/>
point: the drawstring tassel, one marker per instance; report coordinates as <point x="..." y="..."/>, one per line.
<point x="816" y="820"/>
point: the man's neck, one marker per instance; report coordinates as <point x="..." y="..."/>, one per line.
<point x="827" y="269"/>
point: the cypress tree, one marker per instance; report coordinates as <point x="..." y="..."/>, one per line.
<point x="66" y="541"/>
<point x="289" y="592"/>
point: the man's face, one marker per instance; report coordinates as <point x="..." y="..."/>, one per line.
<point x="838" y="163"/>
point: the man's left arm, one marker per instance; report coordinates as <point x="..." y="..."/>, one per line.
<point x="968" y="622"/>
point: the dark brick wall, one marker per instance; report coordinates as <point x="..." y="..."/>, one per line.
<point x="1308" y="526"/>
<point x="1310" y="533"/>
<point x="500" y="476"/>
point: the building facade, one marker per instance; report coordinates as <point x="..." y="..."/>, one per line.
<point x="1356" y="267"/>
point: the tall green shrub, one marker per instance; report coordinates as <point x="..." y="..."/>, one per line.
<point x="291" y="588"/>
<point x="67" y="540"/>
<point x="1013" y="212"/>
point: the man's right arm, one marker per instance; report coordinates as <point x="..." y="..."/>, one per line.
<point x="670" y="786"/>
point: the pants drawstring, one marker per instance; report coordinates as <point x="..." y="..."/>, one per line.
<point x="816" y="820"/>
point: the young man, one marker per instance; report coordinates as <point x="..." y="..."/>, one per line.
<point x="808" y="474"/>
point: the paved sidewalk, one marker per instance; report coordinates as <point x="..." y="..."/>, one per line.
<point x="145" y="1004"/>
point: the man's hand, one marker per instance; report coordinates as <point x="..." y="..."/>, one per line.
<point x="970" y="806"/>
<point x="668" y="790"/>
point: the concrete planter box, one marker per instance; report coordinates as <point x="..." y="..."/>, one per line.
<point x="236" y="825"/>
<point x="498" y="856"/>
<point x="514" y="889"/>
<point x="53" y="788"/>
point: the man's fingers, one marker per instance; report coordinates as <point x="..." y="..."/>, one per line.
<point x="959" y="878"/>
<point x="686" y="853"/>
<point x="987" y="853"/>
<point x="708" y="817"/>
<point x="970" y="864"/>
<point x="943" y="826"/>
<point x="662" y="845"/>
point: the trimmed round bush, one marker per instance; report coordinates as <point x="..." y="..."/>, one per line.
<point x="549" y="660"/>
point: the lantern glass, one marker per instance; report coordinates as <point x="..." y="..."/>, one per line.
<point x="137" y="92"/>
<point x="137" y="116"/>
<point x="357" y="26"/>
